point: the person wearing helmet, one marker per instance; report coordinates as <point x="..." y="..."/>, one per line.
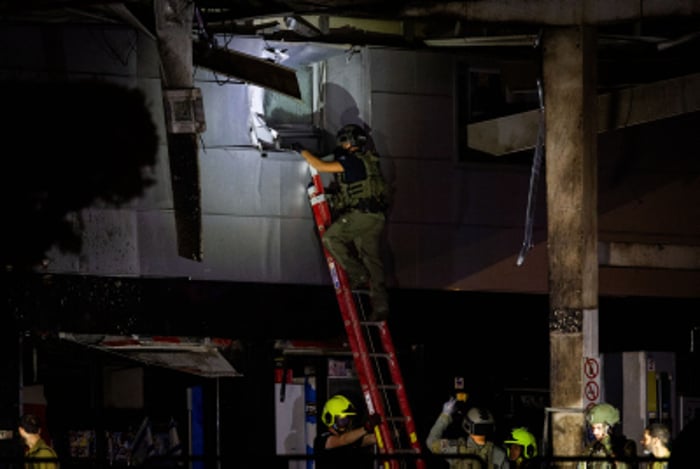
<point x="342" y="439"/>
<point x="522" y="447"/>
<point x="479" y="426"/>
<point x="354" y="236"/>
<point x="601" y="419"/>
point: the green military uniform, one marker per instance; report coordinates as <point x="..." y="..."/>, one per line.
<point x="354" y="237"/>
<point x="607" y="448"/>
<point x="44" y="451"/>
<point x="492" y="455"/>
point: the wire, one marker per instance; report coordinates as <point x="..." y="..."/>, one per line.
<point x="534" y="180"/>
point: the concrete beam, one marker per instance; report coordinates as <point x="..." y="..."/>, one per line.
<point x="623" y="108"/>
<point x="173" y="20"/>
<point x="660" y="256"/>
<point x="556" y="12"/>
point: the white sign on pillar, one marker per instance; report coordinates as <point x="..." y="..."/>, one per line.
<point x="591" y="381"/>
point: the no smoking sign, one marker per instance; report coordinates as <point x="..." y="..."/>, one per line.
<point x="591" y="386"/>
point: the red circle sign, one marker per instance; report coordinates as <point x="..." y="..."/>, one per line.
<point x="592" y="391"/>
<point x="591" y="368"/>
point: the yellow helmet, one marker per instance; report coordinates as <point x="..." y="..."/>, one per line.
<point x="337" y="412"/>
<point x="520" y="436"/>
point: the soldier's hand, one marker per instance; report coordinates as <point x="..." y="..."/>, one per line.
<point x="449" y="406"/>
<point x="298" y="147"/>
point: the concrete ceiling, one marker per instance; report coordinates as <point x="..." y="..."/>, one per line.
<point x="641" y="41"/>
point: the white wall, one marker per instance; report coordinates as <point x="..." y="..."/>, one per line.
<point x="257" y="225"/>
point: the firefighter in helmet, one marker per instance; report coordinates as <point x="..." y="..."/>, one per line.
<point x="521" y="446"/>
<point x="342" y="439"/>
<point x="602" y="419"/>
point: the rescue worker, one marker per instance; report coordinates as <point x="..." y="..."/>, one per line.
<point x="479" y="425"/>
<point x="521" y="447"/>
<point x="601" y="419"/>
<point x="341" y="444"/>
<point x="354" y="236"/>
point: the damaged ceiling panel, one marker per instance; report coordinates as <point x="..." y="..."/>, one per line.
<point x="201" y="357"/>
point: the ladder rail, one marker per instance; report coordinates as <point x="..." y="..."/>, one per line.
<point x="397" y="378"/>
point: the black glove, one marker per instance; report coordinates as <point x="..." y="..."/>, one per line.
<point x="372" y="421"/>
<point x="296" y="146"/>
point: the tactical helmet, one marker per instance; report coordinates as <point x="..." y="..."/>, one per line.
<point x="478" y="421"/>
<point x="603" y="413"/>
<point x="520" y="436"/>
<point x="337" y="412"/>
<point x="352" y="133"/>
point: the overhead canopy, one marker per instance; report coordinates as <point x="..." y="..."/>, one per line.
<point x="198" y="356"/>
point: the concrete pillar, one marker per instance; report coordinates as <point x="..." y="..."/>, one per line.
<point x="569" y="80"/>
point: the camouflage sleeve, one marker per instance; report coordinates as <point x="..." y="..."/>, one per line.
<point x="435" y="442"/>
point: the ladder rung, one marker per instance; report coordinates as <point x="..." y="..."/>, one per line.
<point x="388" y="386"/>
<point x="396" y="419"/>
<point x="380" y="355"/>
<point x="404" y="451"/>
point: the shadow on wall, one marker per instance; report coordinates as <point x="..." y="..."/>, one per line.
<point x="70" y="145"/>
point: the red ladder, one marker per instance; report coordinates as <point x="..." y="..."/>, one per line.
<point x="373" y="354"/>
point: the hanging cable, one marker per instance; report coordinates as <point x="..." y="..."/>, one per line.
<point x="534" y="181"/>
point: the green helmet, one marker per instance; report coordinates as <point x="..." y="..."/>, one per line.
<point x="337" y="412"/>
<point x="352" y="133"/>
<point x="520" y="436"/>
<point x="603" y="413"/>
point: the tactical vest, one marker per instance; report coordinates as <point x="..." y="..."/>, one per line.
<point x="370" y="194"/>
<point x="608" y="448"/>
<point x="485" y="452"/>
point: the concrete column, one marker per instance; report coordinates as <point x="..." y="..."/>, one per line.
<point x="569" y="79"/>
<point x="174" y="32"/>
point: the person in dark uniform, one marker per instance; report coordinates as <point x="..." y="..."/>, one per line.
<point x="360" y="206"/>
<point x="342" y="445"/>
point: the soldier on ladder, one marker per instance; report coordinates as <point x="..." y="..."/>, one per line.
<point x="359" y="206"/>
<point x="372" y="347"/>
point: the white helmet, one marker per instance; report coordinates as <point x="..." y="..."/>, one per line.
<point x="479" y="421"/>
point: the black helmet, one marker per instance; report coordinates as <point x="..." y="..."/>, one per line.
<point x="352" y="133"/>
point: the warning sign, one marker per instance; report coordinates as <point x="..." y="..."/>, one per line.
<point x="591" y="381"/>
<point x="592" y="391"/>
<point x="591" y="368"/>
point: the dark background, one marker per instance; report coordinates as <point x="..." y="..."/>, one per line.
<point x="499" y="344"/>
